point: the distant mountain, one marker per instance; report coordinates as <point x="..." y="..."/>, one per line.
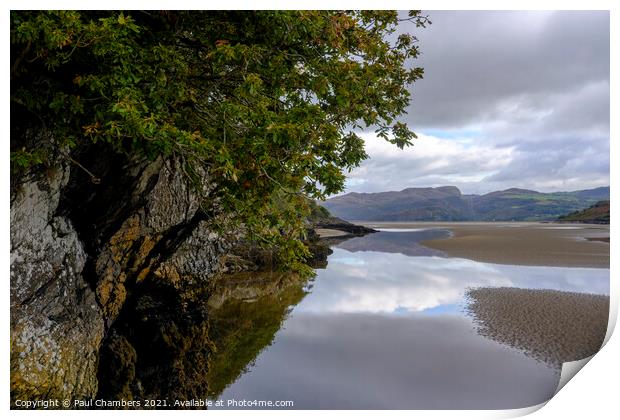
<point x="448" y="204"/>
<point x="598" y="213"/>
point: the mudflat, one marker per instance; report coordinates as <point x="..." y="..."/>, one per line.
<point x="549" y="325"/>
<point x="519" y="243"/>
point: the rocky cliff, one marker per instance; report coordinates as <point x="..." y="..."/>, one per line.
<point x="113" y="261"/>
<point x="53" y="308"/>
<point x="81" y="244"/>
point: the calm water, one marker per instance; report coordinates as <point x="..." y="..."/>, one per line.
<point x="383" y="327"/>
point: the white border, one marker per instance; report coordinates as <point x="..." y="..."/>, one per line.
<point x="592" y="395"/>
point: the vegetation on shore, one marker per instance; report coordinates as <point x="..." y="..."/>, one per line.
<point x="264" y="101"/>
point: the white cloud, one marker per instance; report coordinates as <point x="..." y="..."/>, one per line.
<point x="432" y="161"/>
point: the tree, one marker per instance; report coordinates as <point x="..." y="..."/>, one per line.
<point x="267" y="101"/>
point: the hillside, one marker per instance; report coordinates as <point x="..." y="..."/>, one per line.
<point x="597" y="213"/>
<point x="448" y="204"/>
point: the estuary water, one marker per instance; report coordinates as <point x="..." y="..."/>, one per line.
<point x="385" y="326"/>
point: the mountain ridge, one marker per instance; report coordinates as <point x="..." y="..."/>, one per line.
<point x="447" y="203"/>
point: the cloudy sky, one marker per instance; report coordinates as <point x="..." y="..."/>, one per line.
<point x="509" y="99"/>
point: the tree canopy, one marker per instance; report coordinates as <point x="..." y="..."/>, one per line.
<point x="268" y="102"/>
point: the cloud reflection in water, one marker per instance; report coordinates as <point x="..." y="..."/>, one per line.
<point x="375" y="282"/>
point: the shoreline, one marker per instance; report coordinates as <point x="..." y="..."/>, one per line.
<point x="519" y="243"/>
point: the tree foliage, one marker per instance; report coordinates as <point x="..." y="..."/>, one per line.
<point x="268" y="101"/>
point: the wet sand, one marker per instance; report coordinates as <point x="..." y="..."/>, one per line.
<point x="330" y="233"/>
<point x="542" y="244"/>
<point x="549" y="325"/>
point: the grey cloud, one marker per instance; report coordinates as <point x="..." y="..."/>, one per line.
<point x="530" y="90"/>
<point x="561" y="164"/>
<point x="475" y="60"/>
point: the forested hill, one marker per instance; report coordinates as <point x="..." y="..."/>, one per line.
<point x="448" y="204"/>
<point x="597" y="213"/>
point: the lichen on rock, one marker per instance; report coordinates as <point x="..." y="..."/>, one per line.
<point x="52" y="307"/>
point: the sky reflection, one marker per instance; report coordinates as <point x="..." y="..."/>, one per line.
<point x="369" y="361"/>
<point x="379" y="282"/>
<point x="383" y="327"/>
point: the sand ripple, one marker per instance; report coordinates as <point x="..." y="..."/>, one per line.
<point x="549" y="325"/>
